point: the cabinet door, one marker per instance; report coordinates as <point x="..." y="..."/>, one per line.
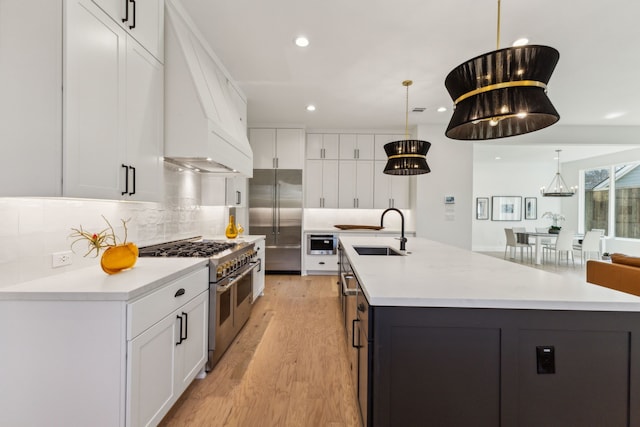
<point x="348" y="146"/>
<point x="390" y="191"/>
<point x="237" y="191"/>
<point x="263" y="145"/>
<point x="314" y="146"/>
<point x="143" y="19"/>
<point x="144" y="122"/>
<point x="347" y="191"/>
<point x="150" y="373"/>
<point x="331" y="145"/>
<point x="364" y="184"/>
<point x="365" y="146"/>
<point x="313" y="185"/>
<point x="289" y="148"/>
<point x="93" y="102"/>
<point x="191" y="353"/>
<point x="30" y="71"/>
<point x="330" y="184"/>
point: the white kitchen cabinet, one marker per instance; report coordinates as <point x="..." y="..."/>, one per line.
<point x="322" y="146"/>
<point x="277" y="148"/>
<point x="323" y="264"/>
<point x="166" y="347"/>
<point x="356" y="184"/>
<point x="237" y="191"/>
<point x="321" y="184"/>
<point x="356" y="146"/>
<point x="97" y="361"/>
<point x="258" y="273"/>
<point x="142" y="19"/>
<point x="164" y="359"/>
<point x="380" y="140"/>
<point x="113" y="101"/>
<point x="109" y="114"/>
<point x="390" y="191"/>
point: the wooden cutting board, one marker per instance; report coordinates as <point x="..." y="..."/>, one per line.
<point x="358" y="227"/>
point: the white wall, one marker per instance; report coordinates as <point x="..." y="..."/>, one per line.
<point x="451" y="164"/>
<point x="510" y="178"/>
<point x="33" y="228"/>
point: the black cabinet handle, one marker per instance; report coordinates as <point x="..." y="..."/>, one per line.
<point x="186" y="327"/>
<point x="126" y="179"/>
<point x="126" y="11"/>
<point x="353" y="333"/>
<point x="179" y="292"/>
<point x="131" y="27"/>
<point x="134" y="180"/>
<point x="181" y="339"/>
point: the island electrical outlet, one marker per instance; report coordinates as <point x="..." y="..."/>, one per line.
<point x="60" y="259"/>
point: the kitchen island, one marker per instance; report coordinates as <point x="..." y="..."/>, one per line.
<point x="448" y="337"/>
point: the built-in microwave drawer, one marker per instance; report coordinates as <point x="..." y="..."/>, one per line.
<point x="322" y="244"/>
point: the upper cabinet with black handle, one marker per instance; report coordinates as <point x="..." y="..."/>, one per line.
<point x="142" y="19"/>
<point x="79" y="116"/>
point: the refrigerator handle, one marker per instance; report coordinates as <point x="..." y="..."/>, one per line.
<point x="273" y="211"/>
<point x="278" y="208"/>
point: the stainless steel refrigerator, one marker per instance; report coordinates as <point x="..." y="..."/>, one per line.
<point x="275" y="210"/>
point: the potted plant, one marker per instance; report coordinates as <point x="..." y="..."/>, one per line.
<point x="556" y="218"/>
<point x="606" y="256"/>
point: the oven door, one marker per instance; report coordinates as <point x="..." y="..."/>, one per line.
<point x="222" y="322"/>
<point x="243" y="297"/>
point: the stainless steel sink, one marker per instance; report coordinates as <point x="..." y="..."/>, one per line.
<point x="376" y="250"/>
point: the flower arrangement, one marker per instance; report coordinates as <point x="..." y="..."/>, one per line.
<point x="555" y="217"/>
<point x="101" y="240"/>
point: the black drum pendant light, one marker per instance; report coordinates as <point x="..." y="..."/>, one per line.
<point x="408" y="156"/>
<point x="502" y="93"/>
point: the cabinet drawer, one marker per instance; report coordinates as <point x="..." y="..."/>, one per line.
<point x="148" y="310"/>
<point x="321" y="262"/>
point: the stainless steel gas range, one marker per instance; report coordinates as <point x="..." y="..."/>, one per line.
<point x="231" y="265"/>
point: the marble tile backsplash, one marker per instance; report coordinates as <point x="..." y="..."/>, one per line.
<point x="31" y="229"/>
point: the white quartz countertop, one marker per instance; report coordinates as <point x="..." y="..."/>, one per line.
<point x="91" y="283"/>
<point x="433" y="274"/>
<point x="239" y="239"/>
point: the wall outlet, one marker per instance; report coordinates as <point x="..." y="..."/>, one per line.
<point x="60" y="259"/>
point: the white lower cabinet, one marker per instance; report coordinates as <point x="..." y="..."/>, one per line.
<point x="102" y="362"/>
<point x="164" y="359"/>
<point x="321" y="264"/>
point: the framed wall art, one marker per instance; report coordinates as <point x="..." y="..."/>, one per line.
<point x="506" y="208"/>
<point x="530" y="208"/>
<point x="482" y="208"/>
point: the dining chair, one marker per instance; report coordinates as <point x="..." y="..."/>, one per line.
<point x="512" y="242"/>
<point x="520" y="238"/>
<point x="590" y="244"/>
<point x="564" y="243"/>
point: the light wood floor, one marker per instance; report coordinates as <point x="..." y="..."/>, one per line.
<point x="287" y="367"/>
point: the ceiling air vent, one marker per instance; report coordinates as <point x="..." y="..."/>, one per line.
<point x="418" y="110"/>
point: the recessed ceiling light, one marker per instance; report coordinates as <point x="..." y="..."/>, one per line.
<point x="498" y="158"/>
<point x="311" y="107"/>
<point x="442" y="109"/>
<point x="301" y="41"/>
<point x="521" y="42"/>
<point x="615" y="115"/>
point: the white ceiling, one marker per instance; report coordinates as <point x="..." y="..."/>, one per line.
<point x="361" y="51"/>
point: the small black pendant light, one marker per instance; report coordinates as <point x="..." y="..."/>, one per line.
<point x="502" y="93"/>
<point x="408" y="156"/>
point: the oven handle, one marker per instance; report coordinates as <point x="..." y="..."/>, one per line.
<point x="234" y="279"/>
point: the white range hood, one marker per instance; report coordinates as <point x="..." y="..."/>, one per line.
<point x="203" y="125"/>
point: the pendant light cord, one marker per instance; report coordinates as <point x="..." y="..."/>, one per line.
<point x="406" y="84"/>
<point x="498" y="31"/>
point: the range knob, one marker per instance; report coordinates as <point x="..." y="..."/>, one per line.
<point x="219" y="272"/>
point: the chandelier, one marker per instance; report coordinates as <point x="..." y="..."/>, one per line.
<point x="557" y="187"/>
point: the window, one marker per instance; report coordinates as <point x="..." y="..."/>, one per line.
<point x="596" y="199"/>
<point x="625" y="191"/>
<point x="627" y="201"/>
